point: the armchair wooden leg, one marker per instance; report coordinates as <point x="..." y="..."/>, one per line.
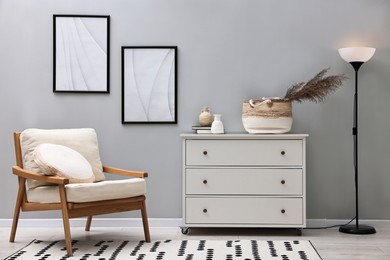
<point x="88" y="225"/>
<point x="18" y="205"/>
<point x="65" y="219"/>
<point x="145" y="222"/>
<point x="68" y="239"/>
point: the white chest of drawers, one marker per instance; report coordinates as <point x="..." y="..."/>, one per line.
<point x="243" y="180"/>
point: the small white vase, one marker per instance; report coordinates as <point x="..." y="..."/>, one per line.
<point x="217" y="125"/>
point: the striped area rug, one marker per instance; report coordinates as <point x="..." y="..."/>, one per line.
<point x="170" y="250"/>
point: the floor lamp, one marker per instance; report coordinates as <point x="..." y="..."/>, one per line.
<point x="356" y="56"/>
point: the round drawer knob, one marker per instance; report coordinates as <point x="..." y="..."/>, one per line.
<point x="283" y="211"/>
<point x="282" y="181"/>
<point x="204" y="181"/>
<point x="204" y="210"/>
<point x="205" y="152"/>
<point x="282" y="152"/>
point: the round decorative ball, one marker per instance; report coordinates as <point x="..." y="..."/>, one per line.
<point x="205" y="117"/>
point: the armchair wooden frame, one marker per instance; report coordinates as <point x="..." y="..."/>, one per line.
<point x="73" y="210"/>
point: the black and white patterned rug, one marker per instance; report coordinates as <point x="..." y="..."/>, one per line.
<point x="170" y="250"/>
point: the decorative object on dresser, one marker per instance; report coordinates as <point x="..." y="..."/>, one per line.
<point x="243" y="180"/>
<point x="271" y="115"/>
<point x="205" y="117"/>
<point x="274" y="115"/>
<point x="202" y="129"/>
<point x="217" y="125"/>
<point x="81" y="53"/>
<point x="356" y="56"/>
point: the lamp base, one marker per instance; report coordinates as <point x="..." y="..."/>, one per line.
<point x="357" y="230"/>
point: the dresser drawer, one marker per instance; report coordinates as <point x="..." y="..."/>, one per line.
<point x="244" y="210"/>
<point x="241" y="181"/>
<point x="244" y="152"/>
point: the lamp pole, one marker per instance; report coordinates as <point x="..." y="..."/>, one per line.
<point x="356" y="65"/>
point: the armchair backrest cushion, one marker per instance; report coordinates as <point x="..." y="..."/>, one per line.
<point x="82" y="140"/>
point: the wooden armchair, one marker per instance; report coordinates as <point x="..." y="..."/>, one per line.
<point x="71" y="207"/>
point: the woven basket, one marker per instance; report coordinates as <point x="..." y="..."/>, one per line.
<point x="267" y="116"/>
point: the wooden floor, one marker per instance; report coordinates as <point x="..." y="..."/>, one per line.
<point x="330" y="243"/>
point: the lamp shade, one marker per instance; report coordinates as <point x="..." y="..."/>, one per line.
<point x="356" y="54"/>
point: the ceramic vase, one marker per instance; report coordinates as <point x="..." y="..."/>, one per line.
<point x="217" y="125"/>
<point x="205" y="117"/>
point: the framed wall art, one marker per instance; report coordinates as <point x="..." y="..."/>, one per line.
<point x="149" y="84"/>
<point x="81" y="53"/>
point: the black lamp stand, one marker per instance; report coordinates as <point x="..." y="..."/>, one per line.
<point x="356" y="229"/>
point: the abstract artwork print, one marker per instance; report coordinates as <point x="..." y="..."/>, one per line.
<point x="81" y="53"/>
<point x="149" y="84"/>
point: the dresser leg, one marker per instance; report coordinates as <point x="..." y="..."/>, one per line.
<point x="299" y="231"/>
<point x="184" y="230"/>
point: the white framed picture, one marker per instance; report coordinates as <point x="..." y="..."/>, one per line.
<point x="81" y="53"/>
<point x="149" y="84"/>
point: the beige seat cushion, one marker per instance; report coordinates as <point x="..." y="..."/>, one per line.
<point x="87" y="192"/>
<point x="60" y="160"/>
<point x="83" y="140"/>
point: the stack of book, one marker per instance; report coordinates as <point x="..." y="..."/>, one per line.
<point x="202" y="129"/>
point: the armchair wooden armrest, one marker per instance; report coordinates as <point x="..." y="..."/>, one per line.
<point x="35" y="176"/>
<point x="130" y="173"/>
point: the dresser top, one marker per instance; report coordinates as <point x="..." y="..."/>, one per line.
<point x="243" y="136"/>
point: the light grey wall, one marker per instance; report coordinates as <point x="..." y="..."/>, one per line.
<point x="228" y="50"/>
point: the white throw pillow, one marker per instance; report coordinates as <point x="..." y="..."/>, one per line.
<point x="59" y="160"/>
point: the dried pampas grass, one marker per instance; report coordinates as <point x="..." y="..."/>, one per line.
<point x="316" y="89"/>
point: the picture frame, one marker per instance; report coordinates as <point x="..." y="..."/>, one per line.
<point x="81" y="53"/>
<point x="149" y="84"/>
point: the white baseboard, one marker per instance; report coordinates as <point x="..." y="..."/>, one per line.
<point x="96" y="222"/>
<point x="160" y="222"/>
<point x="312" y="223"/>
